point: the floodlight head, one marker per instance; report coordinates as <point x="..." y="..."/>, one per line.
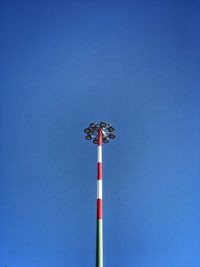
<point x="111" y="135"/>
<point x="95" y="141"/>
<point x="96" y="129"/>
<point x="87" y="130"/>
<point x="105" y="140"/>
<point x="93" y="125"/>
<point x="111" y="129"/>
<point x="88" y="137"/>
<point x="103" y="124"/>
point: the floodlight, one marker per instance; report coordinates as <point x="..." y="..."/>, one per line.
<point x="111" y="129"/>
<point x="111" y="135"/>
<point x="93" y="125"/>
<point x="103" y="124"/>
<point x="88" y="137"/>
<point x="105" y="140"/>
<point x="97" y="129"/>
<point x="87" y="130"/>
<point x="95" y="141"/>
<point x="98" y="133"/>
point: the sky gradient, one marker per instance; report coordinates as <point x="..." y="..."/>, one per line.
<point x="65" y="64"/>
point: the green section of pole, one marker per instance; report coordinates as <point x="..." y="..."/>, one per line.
<point x="99" y="244"/>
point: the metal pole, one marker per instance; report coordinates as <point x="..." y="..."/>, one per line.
<point x="99" y="234"/>
<point x="98" y="132"/>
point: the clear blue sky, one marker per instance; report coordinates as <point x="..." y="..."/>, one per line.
<point x="65" y="64"/>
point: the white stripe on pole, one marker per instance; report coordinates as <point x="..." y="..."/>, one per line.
<point x="99" y="189"/>
<point x="99" y="154"/>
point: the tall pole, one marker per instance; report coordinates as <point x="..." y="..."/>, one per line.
<point x="98" y="132"/>
<point x="99" y="234"/>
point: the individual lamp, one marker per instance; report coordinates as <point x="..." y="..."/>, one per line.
<point x="111" y="129"/>
<point x="103" y="124"/>
<point x="105" y="140"/>
<point x="93" y="125"/>
<point x="111" y="135"/>
<point x="87" y="130"/>
<point x="88" y="137"/>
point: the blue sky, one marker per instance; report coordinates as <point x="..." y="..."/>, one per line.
<point x="65" y="64"/>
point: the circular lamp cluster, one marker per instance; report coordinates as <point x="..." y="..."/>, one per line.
<point x="92" y="132"/>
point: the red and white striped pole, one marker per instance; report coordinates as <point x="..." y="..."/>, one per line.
<point x="98" y="132"/>
<point x="99" y="241"/>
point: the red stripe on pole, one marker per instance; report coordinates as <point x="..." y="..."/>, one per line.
<point x="99" y="171"/>
<point x="99" y="209"/>
<point x="100" y="137"/>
